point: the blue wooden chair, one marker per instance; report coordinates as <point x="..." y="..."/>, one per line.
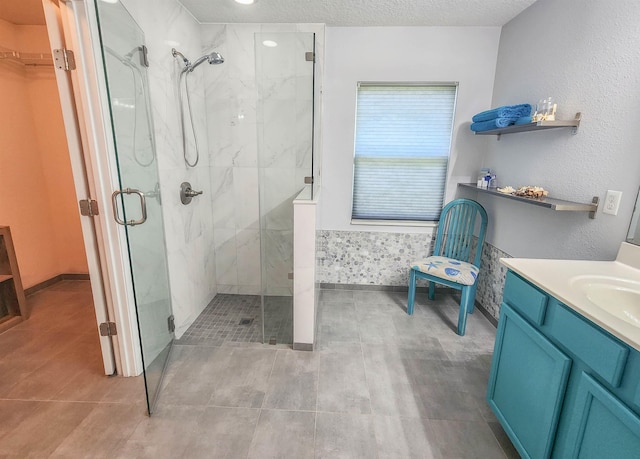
<point x="451" y="263"/>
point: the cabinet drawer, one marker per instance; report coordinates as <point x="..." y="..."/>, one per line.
<point x="603" y="353"/>
<point x="525" y="298"/>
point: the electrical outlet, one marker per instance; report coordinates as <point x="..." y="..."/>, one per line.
<point x="612" y="202"/>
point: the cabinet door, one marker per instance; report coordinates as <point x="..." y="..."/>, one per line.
<point x="527" y="384"/>
<point x="601" y="425"/>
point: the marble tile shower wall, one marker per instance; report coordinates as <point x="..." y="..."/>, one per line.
<point x="375" y="258"/>
<point x="248" y="110"/>
<point x="189" y="239"/>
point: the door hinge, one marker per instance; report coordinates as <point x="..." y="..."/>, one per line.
<point x="88" y="207"/>
<point x="144" y="56"/>
<point x="108" y="329"/>
<point x="64" y="59"/>
<point x="171" y="322"/>
<point x="310" y="56"/>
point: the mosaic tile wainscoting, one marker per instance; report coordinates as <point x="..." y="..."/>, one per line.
<point x="382" y="259"/>
<point x="491" y="280"/>
<point x="369" y="258"/>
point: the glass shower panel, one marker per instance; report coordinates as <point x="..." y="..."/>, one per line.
<point x="124" y="56"/>
<point x="284" y="79"/>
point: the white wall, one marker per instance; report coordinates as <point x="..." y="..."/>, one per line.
<point x="406" y="54"/>
<point x="584" y="53"/>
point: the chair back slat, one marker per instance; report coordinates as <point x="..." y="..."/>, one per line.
<point x="456" y="230"/>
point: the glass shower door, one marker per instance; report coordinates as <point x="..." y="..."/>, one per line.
<point x="137" y="204"/>
<point x="284" y="78"/>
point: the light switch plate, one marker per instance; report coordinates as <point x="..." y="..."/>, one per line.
<point x="612" y="202"/>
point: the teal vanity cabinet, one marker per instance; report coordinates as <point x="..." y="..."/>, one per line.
<point x="528" y="380"/>
<point x="560" y="385"/>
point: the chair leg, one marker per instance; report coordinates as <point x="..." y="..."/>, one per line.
<point x="472" y="299"/>
<point x="432" y="290"/>
<point x="412" y="291"/>
<point x="467" y="298"/>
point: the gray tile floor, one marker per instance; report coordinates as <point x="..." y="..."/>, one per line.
<point x="238" y="319"/>
<point x="380" y="385"/>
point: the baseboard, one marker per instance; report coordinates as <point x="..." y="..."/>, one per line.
<point x="379" y="288"/>
<point x="54" y="280"/>
<point x="302" y="346"/>
<point x="486" y="313"/>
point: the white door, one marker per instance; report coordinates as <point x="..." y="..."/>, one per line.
<point x="82" y="184"/>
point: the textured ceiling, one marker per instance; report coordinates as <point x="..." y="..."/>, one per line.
<point x="330" y="12"/>
<point x="361" y="12"/>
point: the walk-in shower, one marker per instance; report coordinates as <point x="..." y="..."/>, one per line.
<point x="212" y="58"/>
<point x="259" y="115"/>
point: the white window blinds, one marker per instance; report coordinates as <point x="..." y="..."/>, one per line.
<point x="403" y="138"/>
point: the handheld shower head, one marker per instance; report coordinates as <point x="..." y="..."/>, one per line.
<point x="212" y="58"/>
<point x="215" y="58"/>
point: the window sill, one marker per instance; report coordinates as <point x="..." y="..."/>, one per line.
<point x="416" y="223"/>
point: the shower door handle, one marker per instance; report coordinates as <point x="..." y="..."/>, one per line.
<point x="143" y="205"/>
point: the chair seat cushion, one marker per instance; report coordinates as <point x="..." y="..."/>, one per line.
<point x="450" y="269"/>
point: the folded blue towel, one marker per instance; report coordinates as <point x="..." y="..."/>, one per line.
<point x="506" y="111"/>
<point x="492" y="124"/>
<point x="524" y="120"/>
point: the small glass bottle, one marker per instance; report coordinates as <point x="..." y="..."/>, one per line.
<point x="544" y="110"/>
<point x="551" y="112"/>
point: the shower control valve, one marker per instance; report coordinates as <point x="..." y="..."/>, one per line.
<point x="187" y="193"/>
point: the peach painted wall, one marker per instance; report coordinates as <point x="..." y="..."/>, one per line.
<point x="37" y="196"/>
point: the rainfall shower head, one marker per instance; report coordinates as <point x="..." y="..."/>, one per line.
<point x="213" y="58"/>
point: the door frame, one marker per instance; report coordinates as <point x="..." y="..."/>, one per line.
<point x="95" y="176"/>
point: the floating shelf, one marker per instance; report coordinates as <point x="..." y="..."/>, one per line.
<point x="547" y="202"/>
<point x="537" y="126"/>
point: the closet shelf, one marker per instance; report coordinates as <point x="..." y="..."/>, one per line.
<point x="537" y="126"/>
<point x="5" y="277"/>
<point x="547" y="202"/>
<point x="27" y="59"/>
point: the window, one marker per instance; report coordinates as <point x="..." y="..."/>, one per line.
<point x="403" y="138"/>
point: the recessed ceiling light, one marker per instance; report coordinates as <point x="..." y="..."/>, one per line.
<point x="270" y="43"/>
<point x="110" y="1"/>
<point x="245" y="2"/>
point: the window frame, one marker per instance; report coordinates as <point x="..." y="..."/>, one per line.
<point x="401" y="222"/>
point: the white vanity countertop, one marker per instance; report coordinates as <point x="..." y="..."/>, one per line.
<point x="554" y="277"/>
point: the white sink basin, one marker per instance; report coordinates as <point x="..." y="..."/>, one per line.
<point x="618" y="297"/>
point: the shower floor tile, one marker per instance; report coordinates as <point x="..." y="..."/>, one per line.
<point x="238" y="319"/>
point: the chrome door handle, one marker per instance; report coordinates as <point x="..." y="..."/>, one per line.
<point x="143" y="205"/>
